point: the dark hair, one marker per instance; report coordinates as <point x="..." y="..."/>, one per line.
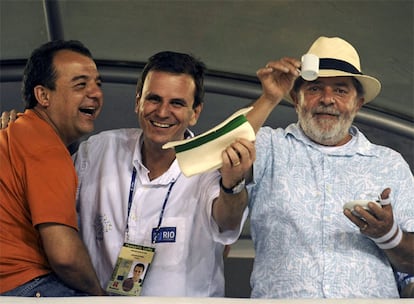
<point x="177" y="63"/>
<point x="357" y="84"/>
<point x="40" y="70"/>
<point x="140" y="265"/>
<point x="358" y="87"/>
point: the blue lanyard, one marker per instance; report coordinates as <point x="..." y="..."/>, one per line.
<point x="130" y="198"/>
<point x="131" y="191"/>
<point x="157" y="230"/>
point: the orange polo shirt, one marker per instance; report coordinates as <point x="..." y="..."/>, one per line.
<point x="37" y="185"/>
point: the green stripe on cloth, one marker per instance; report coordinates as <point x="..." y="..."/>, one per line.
<point x="230" y="126"/>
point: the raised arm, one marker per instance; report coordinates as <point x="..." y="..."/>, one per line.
<point x="277" y="79"/>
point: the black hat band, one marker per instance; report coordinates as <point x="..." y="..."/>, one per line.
<point x="336" y="64"/>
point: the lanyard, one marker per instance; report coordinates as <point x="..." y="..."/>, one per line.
<point x="130" y="198"/>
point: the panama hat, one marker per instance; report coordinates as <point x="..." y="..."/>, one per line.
<point x="339" y="58"/>
<point x="202" y="153"/>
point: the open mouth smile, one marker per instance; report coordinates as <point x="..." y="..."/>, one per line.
<point x="88" y="111"/>
<point x="161" y="125"/>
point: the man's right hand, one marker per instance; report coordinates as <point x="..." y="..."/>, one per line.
<point x="277" y="78"/>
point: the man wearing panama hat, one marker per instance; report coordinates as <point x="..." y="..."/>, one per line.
<point x="307" y="243"/>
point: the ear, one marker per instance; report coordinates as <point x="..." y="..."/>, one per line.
<point x="295" y="98"/>
<point x="360" y="103"/>
<point x="137" y="102"/>
<point x="196" y="114"/>
<point x="42" y="95"/>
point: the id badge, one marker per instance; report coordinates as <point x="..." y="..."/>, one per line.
<point x="164" y="234"/>
<point x="130" y="270"/>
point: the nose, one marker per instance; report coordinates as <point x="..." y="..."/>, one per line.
<point x="327" y="96"/>
<point x="163" y="109"/>
<point x="95" y="92"/>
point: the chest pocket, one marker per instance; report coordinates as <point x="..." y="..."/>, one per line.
<point x="172" y="253"/>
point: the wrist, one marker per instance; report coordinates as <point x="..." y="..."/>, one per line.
<point x="271" y="99"/>
<point x="235" y="189"/>
<point x="391" y="239"/>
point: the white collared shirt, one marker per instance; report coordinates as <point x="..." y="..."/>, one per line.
<point x="193" y="264"/>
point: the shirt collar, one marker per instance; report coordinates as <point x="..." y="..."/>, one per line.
<point x="168" y="177"/>
<point x="361" y="145"/>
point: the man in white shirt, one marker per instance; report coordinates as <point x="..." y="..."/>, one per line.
<point x="133" y="191"/>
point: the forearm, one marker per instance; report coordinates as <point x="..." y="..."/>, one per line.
<point x="402" y="256"/>
<point x="228" y="209"/>
<point x="262" y="108"/>
<point x="79" y="273"/>
<point x="277" y="79"/>
<point x="408" y="291"/>
<point x="68" y="258"/>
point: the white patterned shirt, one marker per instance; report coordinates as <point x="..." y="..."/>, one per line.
<point x="305" y="246"/>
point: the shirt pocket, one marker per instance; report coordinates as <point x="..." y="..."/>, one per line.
<point x="172" y="253"/>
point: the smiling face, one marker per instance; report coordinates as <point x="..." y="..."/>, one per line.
<point x="76" y="101"/>
<point x="326" y="109"/>
<point x="165" y="109"/>
<point x="138" y="271"/>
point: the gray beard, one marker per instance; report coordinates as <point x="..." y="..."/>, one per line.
<point x="324" y="132"/>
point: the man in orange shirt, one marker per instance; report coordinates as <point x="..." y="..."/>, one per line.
<point x="41" y="253"/>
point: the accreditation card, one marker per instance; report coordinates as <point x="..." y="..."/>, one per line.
<point x="130" y="270"/>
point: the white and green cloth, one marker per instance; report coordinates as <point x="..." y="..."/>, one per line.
<point x="202" y="153"/>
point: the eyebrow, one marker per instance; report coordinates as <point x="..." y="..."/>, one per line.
<point x="85" y="77"/>
<point x="341" y="84"/>
<point x="153" y="96"/>
<point x="159" y="98"/>
<point x="181" y="100"/>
